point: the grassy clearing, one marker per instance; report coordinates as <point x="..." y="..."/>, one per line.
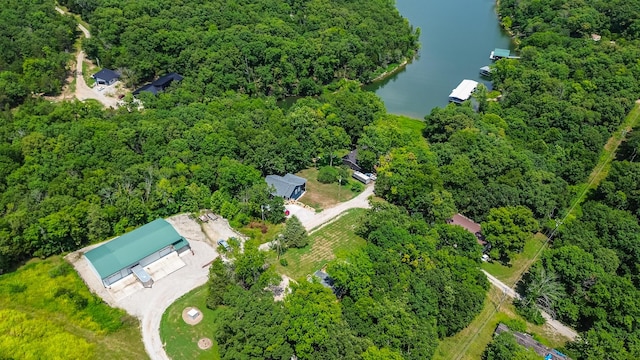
<point x="520" y="262"/>
<point x="469" y="344"/>
<point x="601" y="170"/>
<point x="56" y="315"/>
<point x="181" y="339"/>
<point x="257" y="236"/>
<point x="334" y="240"/>
<point x="321" y="196"/>
<point x="89" y="69"/>
<point x="408" y="123"/>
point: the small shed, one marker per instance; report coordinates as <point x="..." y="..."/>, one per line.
<point x="288" y="186"/>
<point x="106" y="77"/>
<point x="325" y="279"/>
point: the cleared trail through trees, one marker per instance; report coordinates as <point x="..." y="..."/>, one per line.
<point x="597" y="175"/>
<point x="83" y="91"/>
<point x="559" y="327"/>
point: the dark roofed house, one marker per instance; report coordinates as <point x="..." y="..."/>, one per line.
<point x="164" y="81"/>
<point x="131" y="252"/>
<point x="148" y="87"/>
<point x="106" y="77"/>
<point x="471" y="226"/>
<point x="351" y="160"/>
<point x="288" y="187"/>
<point x="161" y="84"/>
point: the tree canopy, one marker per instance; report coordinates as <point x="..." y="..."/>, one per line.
<point x="265" y="47"/>
<point x="35" y="41"/>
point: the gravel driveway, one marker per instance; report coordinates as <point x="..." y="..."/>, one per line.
<point x="311" y="220"/>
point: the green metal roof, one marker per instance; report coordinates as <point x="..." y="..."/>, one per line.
<point x="128" y="249"/>
<point x="501" y="52"/>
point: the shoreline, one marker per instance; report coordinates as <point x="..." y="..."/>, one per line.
<point x="397" y="68"/>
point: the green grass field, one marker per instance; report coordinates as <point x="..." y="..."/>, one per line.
<point x="407" y="123"/>
<point x="331" y="241"/>
<point x="47" y="312"/>
<point x="469" y="344"/>
<point x="321" y="196"/>
<point x="519" y="264"/>
<point x="181" y="339"/>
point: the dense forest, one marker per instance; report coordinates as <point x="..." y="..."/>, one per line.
<point x="409" y="286"/>
<point x="265" y="47"/>
<point x="35" y="41"/>
<point x="74" y="174"/>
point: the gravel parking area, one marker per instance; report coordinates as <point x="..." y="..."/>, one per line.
<point x="148" y="305"/>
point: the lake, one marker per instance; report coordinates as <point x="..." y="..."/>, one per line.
<point x="456" y="39"/>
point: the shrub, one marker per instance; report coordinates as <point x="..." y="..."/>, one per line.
<point x="59" y="270"/>
<point x="328" y="175"/>
<point x="530" y="313"/>
<point x="284" y="262"/>
<point x="356" y="186"/>
<point x="516" y="325"/>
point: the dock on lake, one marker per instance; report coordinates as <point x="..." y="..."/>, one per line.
<point x="498" y="54"/>
<point x="463" y="92"/>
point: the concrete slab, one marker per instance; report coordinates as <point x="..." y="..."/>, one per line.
<point x="124" y="288"/>
<point x="165" y="266"/>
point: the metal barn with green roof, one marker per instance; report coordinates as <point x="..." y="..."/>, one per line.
<point x="130" y="252"/>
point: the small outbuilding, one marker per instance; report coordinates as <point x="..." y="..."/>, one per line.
<point x="288" y="186"/>
<point x="131" y="252"/>
<point x="363" y="178"/>
<point x="106" y="77"/>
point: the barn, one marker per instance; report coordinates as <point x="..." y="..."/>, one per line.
<point x="131" y="252"/>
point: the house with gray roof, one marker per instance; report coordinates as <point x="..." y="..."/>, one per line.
<point x="288" y="186"/>
<point x="106" y="77"/>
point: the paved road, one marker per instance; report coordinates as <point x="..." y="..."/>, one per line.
<point x="83" y="91"/>
<point x="556" y="325"/>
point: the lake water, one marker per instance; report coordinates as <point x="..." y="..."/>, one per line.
<point x="456" y="39"/>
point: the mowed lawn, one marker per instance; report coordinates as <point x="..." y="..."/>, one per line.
<point x="334" y="240"/>
<point x="181" y="339"/>
<point x="469" y="344"/>
<point x="520" y="262"/>
<point x="321" y="196"/>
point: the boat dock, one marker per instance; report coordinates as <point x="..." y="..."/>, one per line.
<point x="463" y="92"/>
<point x="498" y="54"/>
<point x="485" y="71"/>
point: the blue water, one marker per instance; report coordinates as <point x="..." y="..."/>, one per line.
<point x="457" y="37"/>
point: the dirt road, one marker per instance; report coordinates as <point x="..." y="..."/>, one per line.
<point x="556" y="325"/>
<point x="83" y="91"/>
